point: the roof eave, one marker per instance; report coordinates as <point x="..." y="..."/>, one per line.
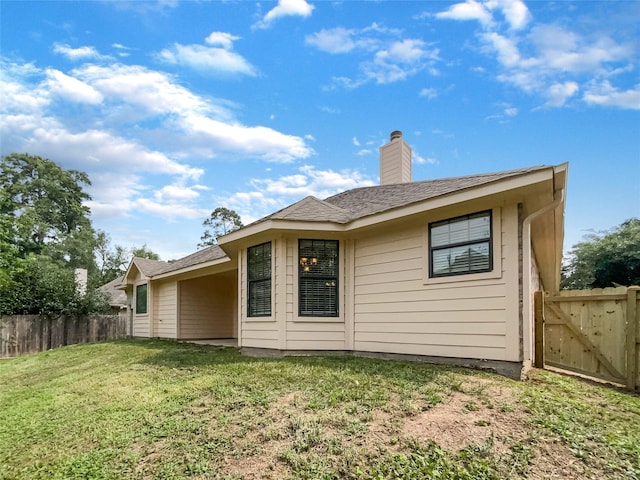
<point x="191" y="268"/>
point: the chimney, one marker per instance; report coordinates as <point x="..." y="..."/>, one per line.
<point x="395" y="160"/>
<point x="81" y="280"/>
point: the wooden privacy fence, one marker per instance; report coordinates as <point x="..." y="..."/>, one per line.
<point x="22" y="334"/>
<point x="591" y="332"/>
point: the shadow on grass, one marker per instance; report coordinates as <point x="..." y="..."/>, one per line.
<point x="171" y="354"/>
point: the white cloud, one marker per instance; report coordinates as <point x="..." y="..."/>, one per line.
<point x="566" y="51"/>
<point x="429" y="93"/>
<point x="333" y="40"/>
<point x="605" y="94"/>
<point x="177" y="122"/>
<point x="271" y="194"/>
<point x="355" y="141"/>
<point x="515" y="12"/>
<point x="71" y="88"/>
<point x="558" y="93"/>
<point x="469" y="10"/>
<point x="147" y="92"/>
<point x="214" y="60"/>
<point x="551" y="61"/>
<point x="80" y="53"/>
<point x="16" y="97"/>
<point x="507" y="50"/>
<point x="420" y="160"/>
<point x="177" y="192"/>
<point x="285" y="8"/>
<point x="223" y="39"/>
<point x="364" y="151"/>
<point x="387" y="58"/>
<point x="258" y="142"/>
<point x="169" y="211"/>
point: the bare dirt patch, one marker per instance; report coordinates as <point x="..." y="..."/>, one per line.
<point x="493" y="418"/>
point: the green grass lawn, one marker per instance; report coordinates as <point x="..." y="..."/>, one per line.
<point x="162" y="410"/>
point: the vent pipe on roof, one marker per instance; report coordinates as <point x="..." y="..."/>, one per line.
<point x="395" y="160"/>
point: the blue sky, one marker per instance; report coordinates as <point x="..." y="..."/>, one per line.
<point x="176" y="108"/>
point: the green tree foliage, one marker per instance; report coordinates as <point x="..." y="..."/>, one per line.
<point x="605" y="259"/>
<point x="43" y="205"/>
<point x="144" y="252"/>
<point x="220" y="222"/>
<point x="45" y="232"/>
<point x="113" y="261"/>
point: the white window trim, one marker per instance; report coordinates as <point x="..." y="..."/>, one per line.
<point x="496" y="272"/>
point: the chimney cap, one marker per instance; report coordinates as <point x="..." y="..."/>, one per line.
<point x="396" y="134"/>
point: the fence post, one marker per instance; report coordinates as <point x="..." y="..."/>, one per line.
<point x="632" y="337"/>
<point x="538" y="308"/>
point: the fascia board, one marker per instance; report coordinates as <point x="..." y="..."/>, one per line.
<point x="454" y="198"/>
<point x="465" y="195"/>
<point x="191" y="268"/>
<point x="132" y="263"/>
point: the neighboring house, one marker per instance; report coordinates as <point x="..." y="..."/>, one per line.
<point x="444" y="270"/>
<point x="117" y="297"/>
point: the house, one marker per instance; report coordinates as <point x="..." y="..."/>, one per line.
<point x="441" y="270"/>
<point x="116" y="297"/>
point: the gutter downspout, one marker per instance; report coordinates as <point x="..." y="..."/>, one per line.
<point x="527" y="308"/>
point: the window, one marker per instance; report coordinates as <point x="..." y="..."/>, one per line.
<point x="318" y="278"/>
<point x="461" y="245"/>
<point x="141" y="299"/>
<point x="259" y="280"/>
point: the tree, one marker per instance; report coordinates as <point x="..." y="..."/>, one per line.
<point x="43" y="209"/>
<point x="113" y="261"/>
<point x="605" y="259"/>
<point x="144" y="252"/>
<point x="45" y="232"/>
<point x="221" y="222"/>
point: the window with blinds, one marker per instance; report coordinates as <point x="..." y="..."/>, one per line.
<point x="461" y="245"/>
<point x="259" y="280"/>
<point x="141" y="299"/>
<point x="318" y="278"/>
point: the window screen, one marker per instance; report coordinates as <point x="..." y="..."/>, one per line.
<point x="461" y="245"/>
<point x="318" y="278"/>
<point x="141" y="299"/>
<point x="259" y="280"/>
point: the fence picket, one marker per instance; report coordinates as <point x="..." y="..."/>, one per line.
<point x="594" y="332"/>
<point x="23" y="334"/>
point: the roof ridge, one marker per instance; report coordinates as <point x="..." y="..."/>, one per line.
<point x="445" y="179"/>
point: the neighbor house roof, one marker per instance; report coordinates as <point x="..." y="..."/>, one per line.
<point x="353" y="204"/>
<point x="117" y="297"/>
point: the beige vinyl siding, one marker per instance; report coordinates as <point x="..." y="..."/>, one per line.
<point x="257" y="332"/>
<point x="208" y="306"/>
<point x="165" y="308"/>
<point x="309" y="333"/>
<point x="141" y="326"/>
<point x="397" y="312"/>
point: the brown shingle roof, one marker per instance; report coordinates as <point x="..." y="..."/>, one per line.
<point x="361" y="202"/>
<point x="208" y="254"/>
<point x="149" y="267"/>
<point x="116" y="296"/>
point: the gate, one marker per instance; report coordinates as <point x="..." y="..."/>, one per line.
<point x="591" y="332"/>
